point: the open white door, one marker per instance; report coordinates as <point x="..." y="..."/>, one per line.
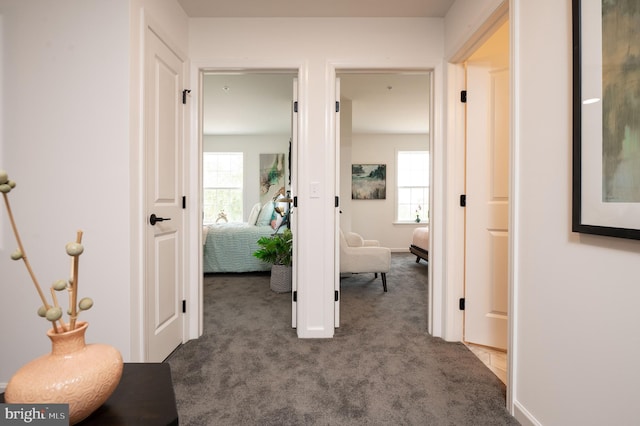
<point x="337" y="213"/>
<point x="293" y="170"/>
<point x="487" y="207"/>
<point x="163" y="199"/>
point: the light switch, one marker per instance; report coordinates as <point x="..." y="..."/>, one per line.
<point x="315" y="189"/>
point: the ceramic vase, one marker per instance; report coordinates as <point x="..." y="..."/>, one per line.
<point x="75" y="373"/>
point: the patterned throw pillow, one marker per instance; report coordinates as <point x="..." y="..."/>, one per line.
<point x="266" y="212"/>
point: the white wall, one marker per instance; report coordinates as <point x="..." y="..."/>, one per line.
<point x="575" y="294"/>
<point x="65" y="141"/>
<point x="251" y="146"/>
<point x="71" y="140"/>
<point x="465" y="19"/>
<point x="316" y="47"/>
<point x="376" y="219"/>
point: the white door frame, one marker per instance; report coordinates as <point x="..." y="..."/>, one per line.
<point x="195" y="295"/>
<point x="455" y="167"/>
<point x="435" y="287"/>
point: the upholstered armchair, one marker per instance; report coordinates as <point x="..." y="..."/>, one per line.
<point x="358" y="255"/>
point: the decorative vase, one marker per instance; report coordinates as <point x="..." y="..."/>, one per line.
<point x="74" y="373"/>
<point x="417" y="219"/>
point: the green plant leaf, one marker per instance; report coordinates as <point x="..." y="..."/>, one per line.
<point x="276" y="249"/>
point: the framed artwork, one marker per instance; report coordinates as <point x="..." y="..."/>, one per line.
<point x="272" y="175"/>
<point x="368" y="181"/>
<point x="606" y="118"/>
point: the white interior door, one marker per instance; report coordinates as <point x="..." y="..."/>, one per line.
<point x="487" y="211"/>
<point x="336" y="262"/>
<point x="163" y="198"/>
<point x="293" y="161"/>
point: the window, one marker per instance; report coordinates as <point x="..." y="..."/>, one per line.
<point x="413" y="186"/>
<point x="222" y="181"/>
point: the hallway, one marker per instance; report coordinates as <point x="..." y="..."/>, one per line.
<point x="381" y="367"/>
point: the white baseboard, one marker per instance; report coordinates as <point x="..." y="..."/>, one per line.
<point x="524" y="416"/>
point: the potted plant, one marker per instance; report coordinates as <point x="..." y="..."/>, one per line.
<point x="277" y="250"/>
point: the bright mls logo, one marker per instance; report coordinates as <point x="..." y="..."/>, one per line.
<point x="34" y="414"/>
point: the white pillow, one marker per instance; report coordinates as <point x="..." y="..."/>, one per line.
<point x="253" y="216"/>
<point x="264" y="218"/>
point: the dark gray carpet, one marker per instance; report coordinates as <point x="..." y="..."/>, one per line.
<point x="381" y="368"/>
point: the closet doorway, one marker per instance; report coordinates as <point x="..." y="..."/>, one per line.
<point x="487" y="232"/>
<point x="247" y="159"/>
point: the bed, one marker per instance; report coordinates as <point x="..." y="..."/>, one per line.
<point x="229" y="247"/>
<point x="420" y="243"/>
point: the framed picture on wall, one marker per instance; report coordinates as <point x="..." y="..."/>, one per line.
<point x="368" y="181"/>
<point x="606" y="118"/>
<point x="272" y="171"/>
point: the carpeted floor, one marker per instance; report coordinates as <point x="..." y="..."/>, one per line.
<point x="381" y="368"/>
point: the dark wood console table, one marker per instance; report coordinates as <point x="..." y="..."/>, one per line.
<point x="144" y="396"/>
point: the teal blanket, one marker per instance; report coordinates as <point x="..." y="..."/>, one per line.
<point x="229" y="247"/>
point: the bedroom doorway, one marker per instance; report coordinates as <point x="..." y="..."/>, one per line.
<point x="248" y="148"/>
<point x="382" y="116"/>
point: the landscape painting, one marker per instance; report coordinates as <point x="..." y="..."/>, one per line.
<point x="368" y="181"/>
<point x="621" y="101"/>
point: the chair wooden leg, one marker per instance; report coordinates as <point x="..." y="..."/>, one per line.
<point x="384" y="281"/>
<point x="375" y="275"/>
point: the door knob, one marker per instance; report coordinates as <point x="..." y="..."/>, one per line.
<point x="153" y="219"/>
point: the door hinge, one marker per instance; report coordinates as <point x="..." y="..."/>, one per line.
<point x="184" y="201"/>
<point x="337" y="201"/>
<point x="295" y="201"/>
<point x="463" y="96"/>
<point x="184" y="96"/>
<point x="295" y="106"/>
<point x="337" y="106"/>
<point x="463" y="200"/>
<point x="295" y="296"/>
<point x="184" y="306"/>
<point x="336" y="295"/>
<point x="461" y="304"/>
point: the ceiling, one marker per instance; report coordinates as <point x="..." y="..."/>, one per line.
<point x="247" y="104"/>
<point x="316" y="8"/>
<point x="260" y="103"/>
<point x="388" y="103"/>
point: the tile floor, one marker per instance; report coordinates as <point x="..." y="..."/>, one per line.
<point x="494" y="359"/>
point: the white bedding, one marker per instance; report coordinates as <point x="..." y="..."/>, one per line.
<point x="421" y="237"/>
